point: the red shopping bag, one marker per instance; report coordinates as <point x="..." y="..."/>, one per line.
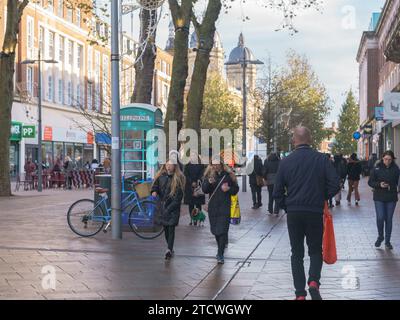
<point x="328" y="242"/>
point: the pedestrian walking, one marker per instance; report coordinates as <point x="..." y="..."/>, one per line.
<point x="271" y="166"/>
<point x="220" y="183"/>
<point x="330" y="200"/>
<point x="384" y="180"/>
<point x="256" y="181"/>
<point x="194" y="172"/>
<point x="57" y="166"/>
<point x="305" y="180"/>
<point x="107" y="165"/>
<point x="68" y="169"/>
<point x="169" y="184"/>
<point x="341" y="171"/>
<point x="354" y="171"/>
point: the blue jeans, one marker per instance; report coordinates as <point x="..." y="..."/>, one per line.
<point x="384" y="218"/>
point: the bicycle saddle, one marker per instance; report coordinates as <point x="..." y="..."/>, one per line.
<point x="101" y="190"/>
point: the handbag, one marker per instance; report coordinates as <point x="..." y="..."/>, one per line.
<point x="198" y="191"/>
<point x="328" y="243"/>
<point x="235" y="217"/>
<point x="260" y="181"/>
<point x="205" y="207"/>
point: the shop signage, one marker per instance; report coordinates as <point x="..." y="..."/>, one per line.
<point x="135" y="118"/>
<point x="379" y="113"/>
<point x="90" y="137"/>
<point x="16" y="131"/>
<point x="392" y="106"/>
<point x="48" y="134"/>
<point x="67" y="135"/>
<point x="357" y="135"/>
<point x="29" y="132"/>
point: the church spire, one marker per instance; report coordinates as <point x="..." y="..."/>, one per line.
<point x="241" y="41"/>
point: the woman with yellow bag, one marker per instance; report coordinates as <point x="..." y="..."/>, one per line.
<point x="220" y="183"/>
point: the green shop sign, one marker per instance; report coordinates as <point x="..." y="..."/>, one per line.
<point x="28" y="131"/>
<point x="16" y="131"/>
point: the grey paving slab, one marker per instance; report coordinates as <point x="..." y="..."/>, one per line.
<point x="101" y="268"/>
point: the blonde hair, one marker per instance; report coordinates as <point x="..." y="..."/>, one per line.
<point x="178" y="179"/>
<point x="210" y="171"/>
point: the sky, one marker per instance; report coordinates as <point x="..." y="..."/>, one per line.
<point x="329" y="38"/>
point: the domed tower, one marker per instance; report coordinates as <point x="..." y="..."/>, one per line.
<point x="234" y="72"/>
<point x="171" y="38"/>
<point x="216" y="56"/>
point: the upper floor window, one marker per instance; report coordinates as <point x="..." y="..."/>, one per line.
<point x="78" y="17"/>
<point x="50" y="5"/>
<point x="60" y="8"/>
<point x="69" y="15"/>
<point x="50" y="92"/>
<point x="29" y="80"/>
<point x="61" y="49"/>
<point x="51" y="45"/>
<point x="70" y="52"/>
<point x="30" y="37"/>
<point x="79" y="57"/>
<point x="41" y="39"/>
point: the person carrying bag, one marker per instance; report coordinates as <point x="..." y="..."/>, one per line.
<point x="220" y="182"/>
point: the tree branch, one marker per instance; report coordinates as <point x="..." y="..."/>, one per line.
<point x="174" y="8"/>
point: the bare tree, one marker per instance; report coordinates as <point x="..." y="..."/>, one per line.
<point x="15" y="10"/>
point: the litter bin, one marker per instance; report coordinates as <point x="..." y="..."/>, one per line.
<point x="103" y="181"/>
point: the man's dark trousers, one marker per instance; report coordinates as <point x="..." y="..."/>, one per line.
<point x="307" y="225"/>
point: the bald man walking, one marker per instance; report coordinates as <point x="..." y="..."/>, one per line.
<point x="305" y="180"/>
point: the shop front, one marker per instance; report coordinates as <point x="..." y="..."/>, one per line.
<point x="58" y="143"/>
<point x="15" y="140"/>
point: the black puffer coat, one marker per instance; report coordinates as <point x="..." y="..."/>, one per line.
<point x="271" y="167"/>
<point x="354" y="170"/>
<point x="219" y="208"/>
<point x="171" y="204"/>
<point x="390" y="175"/>
<point x="257" y="171"/>
<point x="193" y="173"/>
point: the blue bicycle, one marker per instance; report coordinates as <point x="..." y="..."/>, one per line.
<point x="87" y="218"/>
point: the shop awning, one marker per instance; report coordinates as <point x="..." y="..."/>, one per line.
<point x="103" y="138"/>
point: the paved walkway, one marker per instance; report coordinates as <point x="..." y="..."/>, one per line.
<point x="35" y="235"/>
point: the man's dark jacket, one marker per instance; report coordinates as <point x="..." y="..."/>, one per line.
<point x="305" y="180"/>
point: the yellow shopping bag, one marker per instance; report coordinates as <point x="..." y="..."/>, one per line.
<point x="235" y="210"/>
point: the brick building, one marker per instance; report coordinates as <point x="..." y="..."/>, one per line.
<point x="379" y="59"/>
<point x="80" y="80"/>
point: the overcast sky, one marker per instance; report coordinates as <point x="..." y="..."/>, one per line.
<point x="330" y="39"/>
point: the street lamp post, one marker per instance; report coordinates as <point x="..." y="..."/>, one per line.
<point x="116" y="218"/>
<point x="40" y="160"/>
<point x="244" y="63"/>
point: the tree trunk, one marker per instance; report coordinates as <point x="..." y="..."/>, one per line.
<point x="206" y="33"/>
<point x="7" y="70"/>
<point x="144" y="69"/>
<point x="181" y="17"/>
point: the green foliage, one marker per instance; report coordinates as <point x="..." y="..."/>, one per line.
<point x="348" y="124"/>
<point x="299" y="98"/>
<point x="220" y="111"/>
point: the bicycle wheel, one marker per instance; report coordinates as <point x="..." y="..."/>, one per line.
<point x="83" y="219"/>
<point x="141" y="220"/>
